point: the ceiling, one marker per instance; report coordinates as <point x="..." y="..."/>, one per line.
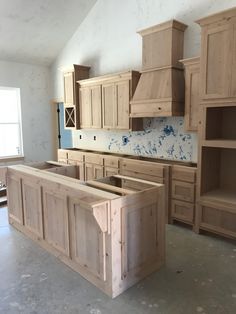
<point x="35" y="31"/>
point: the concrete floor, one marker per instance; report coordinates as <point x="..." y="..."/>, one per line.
<point x="199" y="277"/>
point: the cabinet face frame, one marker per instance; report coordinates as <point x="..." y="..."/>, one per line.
<point x="93" y="171"/>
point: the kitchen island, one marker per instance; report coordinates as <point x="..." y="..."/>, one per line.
<point x="111" y="230"/>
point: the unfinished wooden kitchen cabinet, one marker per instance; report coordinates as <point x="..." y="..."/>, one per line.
<point x="90" y="107"/>
<point x="192" y="100"/>
<point x="113" y="236"/>
<point x="93" y="167"/>
<point x="217" y="171"/>
<point x="218" y="56"/>
<point x="14" y="198"/>
<point x="76" y="158"/>
<point x="111" y="165"/>
<point x="183" y="186"/>
<point x="105" y="102"/>
<point x="71" y="96"/>
<point x="62" y="156"/>
<point x="151" y="171"/>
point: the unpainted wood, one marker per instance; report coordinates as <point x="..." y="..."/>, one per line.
<point x="192" y="99"/>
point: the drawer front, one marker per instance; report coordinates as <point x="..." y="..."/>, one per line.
<point x="93" y="159"/>
<point x="218" y="219"/>
<point x="183" y="191"/>
<point x="112" y="162"/>
<point x="183" y="173"/>
<point x="77" y="156"/>
<point x="182" y="210"/>
<point x="143" y="176"/>
<point x="62" y="161"/>
<point x="144" y="167"/>
<point x="62" y="154"/>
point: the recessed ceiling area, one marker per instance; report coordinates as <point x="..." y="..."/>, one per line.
<point x="36" y="31"/>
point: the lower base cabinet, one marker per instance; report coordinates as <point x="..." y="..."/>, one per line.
<point x="217" y="218"/>
<point x="113" y="236"/>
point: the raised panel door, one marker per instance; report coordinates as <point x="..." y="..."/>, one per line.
<point x="14" y="196"/>
<point x="85" y="107"/>
<point x="122" y="106"/>
<point x="217" y="54"/>
<point x="56" y="225"/>
<point x="32" y="206"/>
<point x="96" y="107"/>
<point x="108" y="105"/>
<point x="69" y="88"/>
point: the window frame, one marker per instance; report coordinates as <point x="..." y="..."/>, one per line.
<point x="19" y="123"/>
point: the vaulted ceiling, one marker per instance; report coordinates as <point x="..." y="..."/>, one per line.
<point x="35" y="31"/>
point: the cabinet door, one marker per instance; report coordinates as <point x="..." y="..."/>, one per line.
<point x="87" y="240"/>
<point x="32" y="206"/>
<point x="108" y="105"/>
<point x="122" y="106"/>
<point x="96" y="107"/>
<point x="69" y="88"/>
<point x="233" y="82"/>
<point x="217" y="56"/>
<point x="85" y="107"/>
<point x="14" y="196"/>
<point x="56" y="220"/>
<point x="192" y="100"/>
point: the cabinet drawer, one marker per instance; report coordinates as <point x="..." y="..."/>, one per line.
<point x="75" y="155"/>
<point x="219" y="219"/>
<point x="110" y="171"/>
<point x="183" y="173"/>
<point x="93" y="158"/>
<point x="62" y="154"/>
<point x="183" y="191"/>
<point x="110" y="161"/>
<point x="182" y="210"/>
<point x="142" y="167"/>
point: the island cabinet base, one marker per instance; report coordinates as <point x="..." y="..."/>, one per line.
<point x="112" y="235"/>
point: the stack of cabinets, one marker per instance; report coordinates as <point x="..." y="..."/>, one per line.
<point x="77" y="158"/>
<point x="62" y="156"/>
<point x="105" y="102"/>
<point x="71" y="97"/>
<point x="183" y="185"/>
<point x="216" y="209"/>
<point x="93" y="167"/>
<point x="192" y="101"/>
<point x="150" y="171"/>
<point x="111" y="165"/>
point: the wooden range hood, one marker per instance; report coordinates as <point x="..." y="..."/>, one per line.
<point x="160" y="91"/>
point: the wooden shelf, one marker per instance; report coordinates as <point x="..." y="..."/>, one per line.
<point x="220" y="143"/>
<point x="220" y="196"/>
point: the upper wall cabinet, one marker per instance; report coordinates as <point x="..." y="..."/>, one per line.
<point x="160" y="91"/>
<point x="192" y="73"/>
<point x="105" y="102"/>
<point x="71" y="97"/>
<point x="218" y="56"/>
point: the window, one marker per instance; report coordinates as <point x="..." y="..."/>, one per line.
<point x="10" y="123"/>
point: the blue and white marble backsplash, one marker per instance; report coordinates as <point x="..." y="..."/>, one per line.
<point x="161" y="138"/>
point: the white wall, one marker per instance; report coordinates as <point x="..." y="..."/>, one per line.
<point x="33" y="82"/>
<point x="107" y="41"/>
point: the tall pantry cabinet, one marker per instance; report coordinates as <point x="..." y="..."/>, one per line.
<point x="217" y="135"/>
